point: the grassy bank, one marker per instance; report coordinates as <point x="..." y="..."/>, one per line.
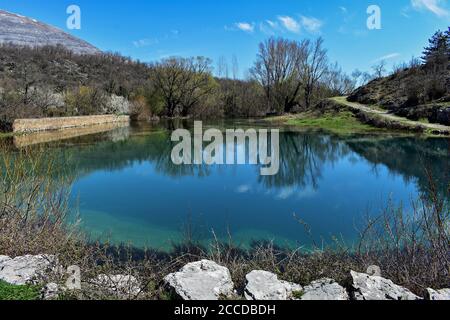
<point x="339" y="116"/>
<point x="344" y="122"/>
<point x="378" y="117"/>
<point x="410" y="248"/>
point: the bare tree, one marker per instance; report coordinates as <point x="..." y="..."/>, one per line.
<point x="379" y="69"/>
<point x="222" y="68"/>
<point x="183" y="82"/>
<point x="338" y="82"/>
<point x="314" y="68"/>
<point x="366" y="77"/>
<point x="27" y="76"/>
<point x="278" y="70"/>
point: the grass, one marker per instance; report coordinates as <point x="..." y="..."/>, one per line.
<point x="337" y="121"/>
<point x="371" y="114"/>
<point x="342" y="122"/>
<point x="12" y="292"/>
<point x="298" y="295"/>
<point x="6" y="135"/>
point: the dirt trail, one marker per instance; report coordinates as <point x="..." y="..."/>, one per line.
<point x="385" y="114"/>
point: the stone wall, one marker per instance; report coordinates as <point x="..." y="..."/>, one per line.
<point x="45" y="124"/>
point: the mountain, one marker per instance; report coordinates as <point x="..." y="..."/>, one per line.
<point x="23" y="31"/>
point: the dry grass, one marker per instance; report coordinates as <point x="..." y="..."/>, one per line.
<point x="412" y="248"/>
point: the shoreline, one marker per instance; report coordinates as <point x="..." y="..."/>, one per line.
<point x="22" y="126"/>
<point x="340" y="116"/>
<point x="336" y="115"/>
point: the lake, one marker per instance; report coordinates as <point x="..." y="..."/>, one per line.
<point x="127" y="189"/>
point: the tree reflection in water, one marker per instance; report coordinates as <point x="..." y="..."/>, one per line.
<point x="303" y="154"/>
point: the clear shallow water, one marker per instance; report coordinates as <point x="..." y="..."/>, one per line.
<point x="128" y="190"/>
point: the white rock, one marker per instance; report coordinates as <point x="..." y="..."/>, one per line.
<point x="367" y="287"/>
<point x="26" y="269"/>
<point x="3" y="259"/>
<point x="263" y="285"/>
<point x="374" y="271"/>
<point x="324" y="289"/>
<point x="50" y="291"/>
<point x="443" y="294"/>
<point x="123" y="286"/>
<point x="202" y="280"/>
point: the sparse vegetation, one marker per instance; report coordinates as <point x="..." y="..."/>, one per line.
<point x="417" y="90"/>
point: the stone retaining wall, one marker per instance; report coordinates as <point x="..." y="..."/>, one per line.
<point x="45" y="124"/>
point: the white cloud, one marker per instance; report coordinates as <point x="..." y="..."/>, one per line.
<point x="268" y="27"/>
<point x="145" y="43"/>
<point x="290" y="23"/>
<point x="285" y="193"/>
<point x="271" y="23"/>
<point x="245" y="26"/>
<point x="388" y="57"/>
<point x="307" y="193"/>
<point x="434" y="6"/>
<point x="343" y="9"/>
<point x="311" y="24"/>
<point x="284" y="23"/>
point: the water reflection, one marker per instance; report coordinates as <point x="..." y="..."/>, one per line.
<point x="129" y="188"/>
<point x="302" y="154"/>
<point x="117" y="130"/>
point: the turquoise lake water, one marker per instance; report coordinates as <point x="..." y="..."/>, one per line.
<point x="127" y="189"/>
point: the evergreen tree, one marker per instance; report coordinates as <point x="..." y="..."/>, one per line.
<point x="438" y="50"/>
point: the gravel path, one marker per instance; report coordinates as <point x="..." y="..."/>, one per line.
<point x="385" y="114"/>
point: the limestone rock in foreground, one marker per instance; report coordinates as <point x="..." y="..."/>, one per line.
<point x="263" y="285"/>
<point x="324" y="289"/>
<point x="367" y="287"/>
<point x="202" y="280"/>
<point x="4" y="259"/>
<point x="26" y="269"/>
<point x="50" y="291"/>
<point x="122" y="286"/>
<point x="443" y="295"/>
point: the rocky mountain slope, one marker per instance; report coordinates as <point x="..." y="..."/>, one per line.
<point x="23" y="31"/>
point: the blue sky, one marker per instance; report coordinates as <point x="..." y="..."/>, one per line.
<point x="149" y="30"/>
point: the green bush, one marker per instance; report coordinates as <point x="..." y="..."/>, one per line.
<point x="11" y="292"/>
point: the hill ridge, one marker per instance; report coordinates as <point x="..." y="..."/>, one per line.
<point x="20" y="30"/>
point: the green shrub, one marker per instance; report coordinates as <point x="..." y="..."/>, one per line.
<point x="11" y="292"/>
